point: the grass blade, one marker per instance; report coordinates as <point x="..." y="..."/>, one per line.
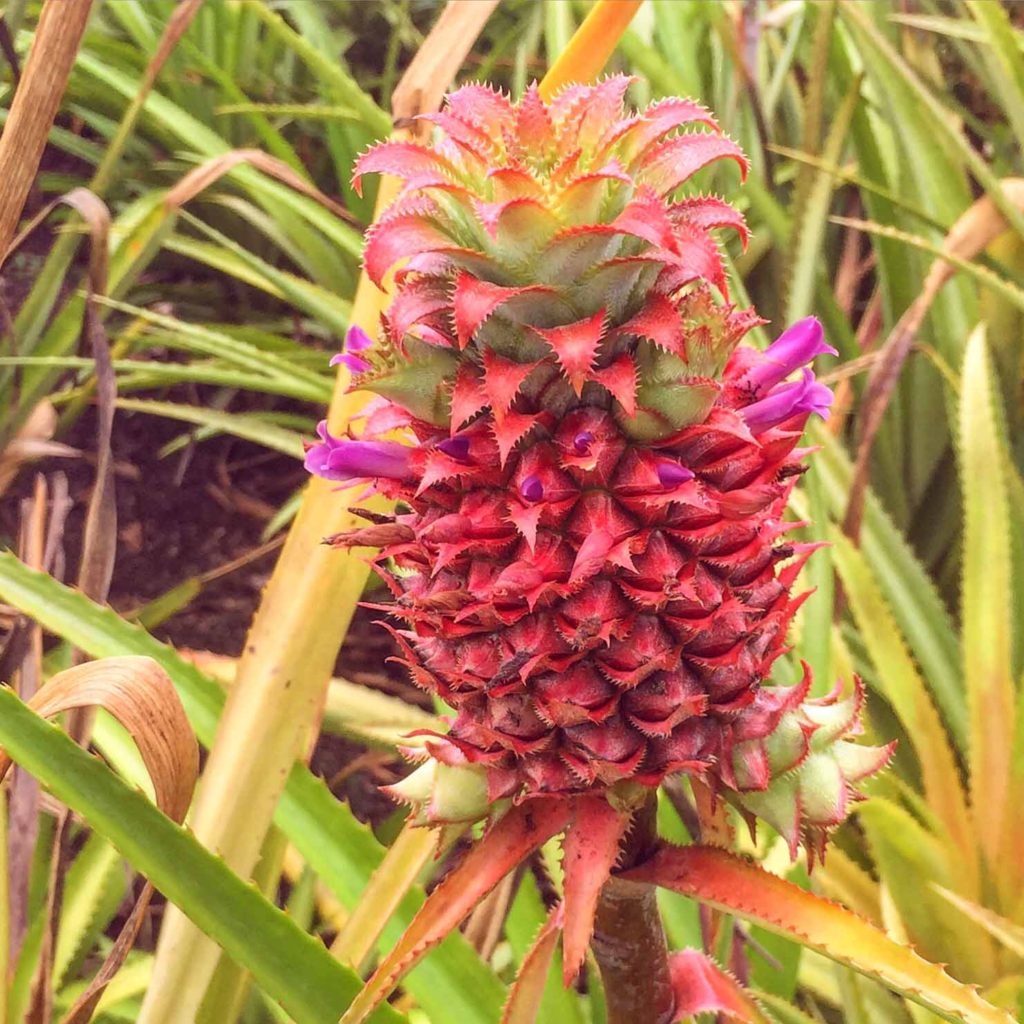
<point x="244" y="425"/>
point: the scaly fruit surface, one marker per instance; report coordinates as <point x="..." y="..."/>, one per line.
<point x="588" y="556"/>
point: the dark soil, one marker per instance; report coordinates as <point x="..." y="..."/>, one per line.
<point x="187" y="515"/>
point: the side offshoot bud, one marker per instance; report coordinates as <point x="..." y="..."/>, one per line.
<point x="800" y="778"/>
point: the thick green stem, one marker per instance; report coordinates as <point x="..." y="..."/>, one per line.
<point x="629" y="940"/>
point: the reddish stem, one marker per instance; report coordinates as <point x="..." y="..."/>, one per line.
<point x="629" y="940"/>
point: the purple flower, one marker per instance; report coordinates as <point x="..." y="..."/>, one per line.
<point x="356" y="339"/>
<point x="800" y="397"/>
<point x="531" y="488"/>
<point x="456" y="447"/>
<point x="582" y="442"/>
<point x="795" y="347"/>
<point x="671" y="474"/>
<point x="342" y="459"/>
<point x="355" y="363"/>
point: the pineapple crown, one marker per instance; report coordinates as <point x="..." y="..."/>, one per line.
<point x="543" y="259"/>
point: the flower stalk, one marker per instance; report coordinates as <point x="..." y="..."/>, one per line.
<point x="629" y="939"/>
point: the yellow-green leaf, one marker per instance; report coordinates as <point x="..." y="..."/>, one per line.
<point x="729" y="883"/>
<point x="986" y="597"/>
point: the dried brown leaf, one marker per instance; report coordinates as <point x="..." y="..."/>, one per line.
<point x="36" y="101"/>
<point x="23" y="809"/>
<point x="437" y="61"/>
<point x="32" y="442"/>
<point x="99" y="542"/>
<point x="213" y="170"/>
<point x="138" y="693"/>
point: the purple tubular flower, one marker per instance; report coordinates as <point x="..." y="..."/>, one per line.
<point x="456" y="448"/>
<point x="795" y="347"/>
<point x="582" y="442"/>
<point x="531" y="488"/>
<point x="356" y="339"/>
<point x="342" y="459"/>
<point x="800" y="397"/>
<point x="355" y="363"/>
<point x="671" y="474"/>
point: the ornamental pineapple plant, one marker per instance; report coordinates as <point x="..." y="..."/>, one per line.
<point x="588" y="556"/>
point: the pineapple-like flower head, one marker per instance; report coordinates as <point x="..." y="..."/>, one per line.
<point x="590" y="469"/>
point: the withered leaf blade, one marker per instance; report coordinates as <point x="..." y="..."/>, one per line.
<point x="212" y="170"/>
<point x="140" y="696"/>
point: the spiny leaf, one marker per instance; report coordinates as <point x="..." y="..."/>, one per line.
<point x="701" y="986"/>
<point x="729" y="883"/>
<point x="900" y="682"/>
<point x="139" y="694"/>
<point x="527" y="991"/>
<point x="288" y="964"/>
<point x="908" y="859"/>
<point x="341" y="850"/>
<point x="94" y="888"/>
<point x="1009" y="934"/>
<point x="575" y="345"/>
<point x="514" y="837"/>
<point x="591" y="849"/>
<point x="987" y="596"/>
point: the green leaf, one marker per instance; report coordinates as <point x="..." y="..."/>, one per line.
<point x="909" y="859"/>
<point x="330" y="71"/>
<point x="1003" y="287"/>
<point x="1007" y="64"/>
<point x="291" y="966"/>
<point x="452" y="984"/>
<point x="899" y="682"/>
<point x="247" y="426"/>
<point x="929" y="131"/>
<point x="221" y="345"/>
<point x="94" y="887"/>
<point x="1008" y="934"/>
<point x="371" y="717"/>
<point x="320" y="302"/>
<point x="908" y="589"/>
